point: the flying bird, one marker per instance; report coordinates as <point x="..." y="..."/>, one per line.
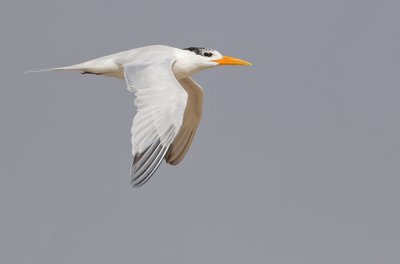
<point x="169" y="103"/>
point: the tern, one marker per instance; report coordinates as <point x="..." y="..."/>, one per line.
<point x="169" y="103"/>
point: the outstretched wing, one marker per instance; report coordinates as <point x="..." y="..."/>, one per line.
<point x="191" y="120"/>
<point x="161" y="103"/>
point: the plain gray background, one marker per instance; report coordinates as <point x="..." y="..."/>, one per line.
<point x="296" y="159"/>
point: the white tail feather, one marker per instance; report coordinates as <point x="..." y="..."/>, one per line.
<point x="76" y="67"/>
<point x="40" y="70"/>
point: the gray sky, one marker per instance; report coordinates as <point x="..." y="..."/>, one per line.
<point x="299" y="164"/>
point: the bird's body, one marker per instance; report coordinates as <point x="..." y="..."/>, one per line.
<point x="112" y="65"/>
<point x="169" y="102"/>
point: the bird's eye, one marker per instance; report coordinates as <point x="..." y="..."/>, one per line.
<point x="207" y="54"/>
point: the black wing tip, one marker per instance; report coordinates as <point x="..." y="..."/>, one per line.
<point x="137" y="180"/>
<point x="145" y="164"/>
<point x="136" y="185"/>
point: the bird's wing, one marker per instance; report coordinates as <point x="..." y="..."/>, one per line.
<point x="161" y="103"/>
<point x="191" y="120"/>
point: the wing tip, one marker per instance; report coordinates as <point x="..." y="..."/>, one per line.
<point x="142" y="171"/>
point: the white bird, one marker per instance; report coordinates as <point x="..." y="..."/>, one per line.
<point x="169" y="102"/>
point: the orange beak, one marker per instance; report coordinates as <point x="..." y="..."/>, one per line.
<point x="225" y="60"/>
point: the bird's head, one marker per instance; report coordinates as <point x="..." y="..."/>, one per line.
<point x="214" y="58"/>
<point x="195" y="59"/>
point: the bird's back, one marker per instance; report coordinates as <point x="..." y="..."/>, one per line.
<point x="112" y="65"/>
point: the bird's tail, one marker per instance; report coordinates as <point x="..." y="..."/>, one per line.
<point x="76" y="67"/>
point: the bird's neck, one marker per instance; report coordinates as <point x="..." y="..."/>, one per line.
<point x="183" y="69"/>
